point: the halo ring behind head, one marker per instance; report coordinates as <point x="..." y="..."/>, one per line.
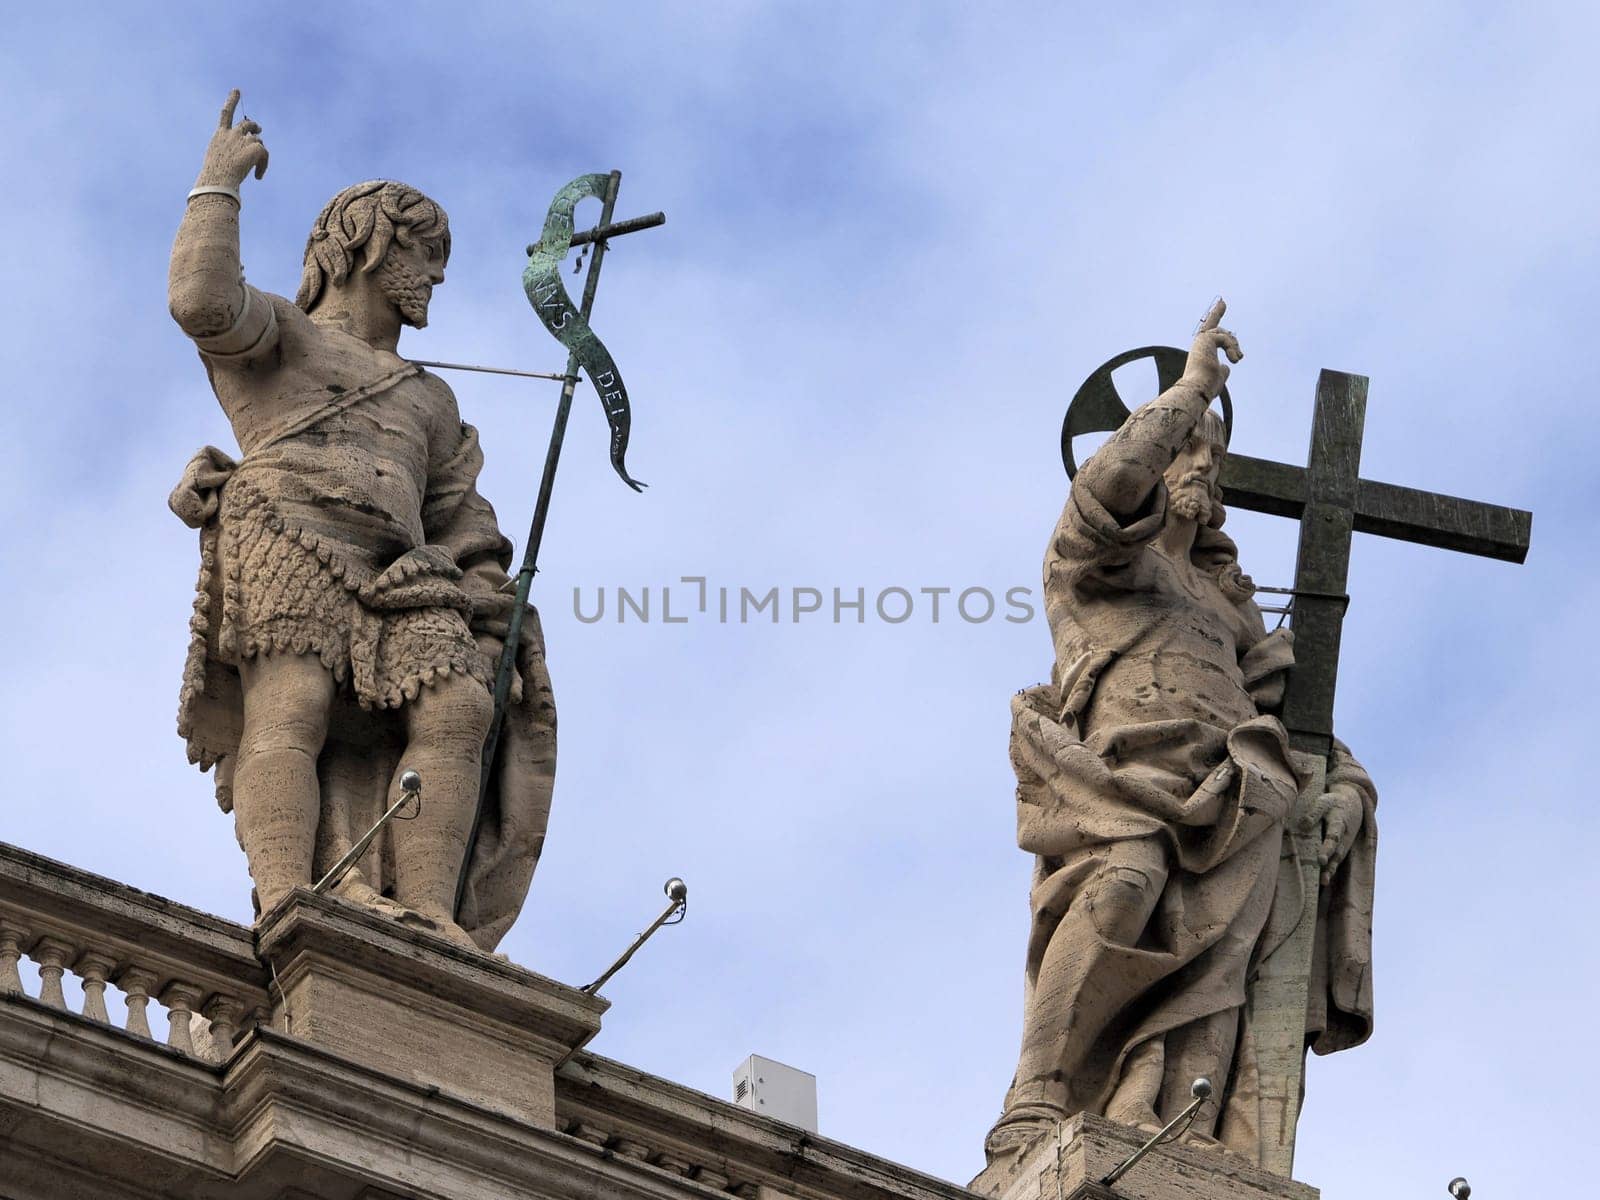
<point x="1097" y="408"/>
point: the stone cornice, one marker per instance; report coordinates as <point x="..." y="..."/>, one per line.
<point x="626" y="1104"/>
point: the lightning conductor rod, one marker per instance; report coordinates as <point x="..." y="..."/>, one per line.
<point x="677" y="902"/>
<point x="410" y="789"/>
<point x="444" y="366"/>
<point x="1201" y="1091"/>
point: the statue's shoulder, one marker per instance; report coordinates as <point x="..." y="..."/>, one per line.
<point x="292" y="321"/>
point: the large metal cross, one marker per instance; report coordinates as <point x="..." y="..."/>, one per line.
<point x="1331" y="501"/>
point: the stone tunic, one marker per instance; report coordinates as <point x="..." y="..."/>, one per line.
<point x="351" y="528"/>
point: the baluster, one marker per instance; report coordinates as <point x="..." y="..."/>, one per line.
<point x="181" y="1000"/>
<point x="93" y="968"/>
<point x="52" y="955"/>
<point x="224" y="1013"/>
<point x="136" y="984"/>
<point x="12" y="939"/>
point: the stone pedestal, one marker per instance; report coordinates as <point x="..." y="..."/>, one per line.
<point x="1070" y="1165"/>
<point x="415" y="1006"/>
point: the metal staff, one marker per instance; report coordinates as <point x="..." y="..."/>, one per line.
<point x="530" y="557"/>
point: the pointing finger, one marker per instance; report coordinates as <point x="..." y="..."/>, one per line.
<point x="226" y="120"/>
<point x="1213" y="315"/>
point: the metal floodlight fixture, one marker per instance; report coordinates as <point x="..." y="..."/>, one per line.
<point x="1201" y="1090"/>
<point x="410" y="789"/>
<point x="677" y="892"/>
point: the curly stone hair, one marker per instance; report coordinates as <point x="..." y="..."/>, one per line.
<point x="367" y="217"/>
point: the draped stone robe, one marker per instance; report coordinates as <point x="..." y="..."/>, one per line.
<point x="1158" y="726"/>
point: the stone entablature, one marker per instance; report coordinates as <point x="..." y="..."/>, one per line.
<point x="411" y="1068"/>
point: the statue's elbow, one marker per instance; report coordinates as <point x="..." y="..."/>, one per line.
<point x="200" y="311"/>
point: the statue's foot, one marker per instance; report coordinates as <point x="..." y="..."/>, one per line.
<point x="443" y="924"/>
<point x="1203" y="1141"/>
<point x="356" y="890"/>
<point x="1139" y="1115"/>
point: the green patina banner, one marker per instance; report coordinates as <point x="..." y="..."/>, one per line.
<point x="541" y="279"/>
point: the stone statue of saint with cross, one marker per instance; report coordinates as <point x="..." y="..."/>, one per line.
<point x="1156" y="784"/>
<point x="353" y="595"/>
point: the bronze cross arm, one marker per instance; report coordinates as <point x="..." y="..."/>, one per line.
<point x="1386" y="509"/>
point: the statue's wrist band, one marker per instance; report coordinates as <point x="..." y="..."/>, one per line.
<point x="230" y="193"/>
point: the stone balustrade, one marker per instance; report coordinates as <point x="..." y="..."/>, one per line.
<point x="393" y="1064"/>
<point x="201" y="969"/>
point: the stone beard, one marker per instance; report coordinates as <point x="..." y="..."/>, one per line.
<point x="1154" y="787"/>
<point x="408" y="290"/>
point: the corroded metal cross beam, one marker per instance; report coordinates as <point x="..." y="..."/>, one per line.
<point x="1331" y="501"/>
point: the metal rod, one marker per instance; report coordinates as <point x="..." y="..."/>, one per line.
<point x="444" y="366"/>
<point x="1201" y="1095"/>
<point x="530" y="557"/>
<point x="678" y="900"/>
<point x="606" y="229"/>
<point x="410" y="789"/>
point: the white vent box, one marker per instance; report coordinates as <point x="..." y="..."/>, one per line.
<point x="776" y="1091"/>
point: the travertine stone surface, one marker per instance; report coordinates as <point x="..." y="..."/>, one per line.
<point x="413" y="1005"/>
<point x="1070" y="1164"/>
<point x="328" y="1111"/>
<point x="351" y="603"/>
<point x="1155" y="788"/>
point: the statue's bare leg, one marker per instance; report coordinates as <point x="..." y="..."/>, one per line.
<point x="445" y="725"/>
<point x="287" y="698"/>
<point x="1113" y="908"/>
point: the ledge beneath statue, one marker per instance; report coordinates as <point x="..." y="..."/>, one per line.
<point x="410" y="1069"/>
<point x="414" y="1005"/>
<point x="1085" y="1149"/>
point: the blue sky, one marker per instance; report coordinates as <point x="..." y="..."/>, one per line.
<point x="898" y="238"/>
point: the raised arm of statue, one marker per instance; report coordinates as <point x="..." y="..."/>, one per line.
<point x="1124" y="472"/>
<point x="228" y="319"/>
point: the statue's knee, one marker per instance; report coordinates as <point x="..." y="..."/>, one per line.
<point x="1122" y="901"/>
<point x="476" y="707"/>
<point x="454" y="711"/>
<point x="287" y="708"/>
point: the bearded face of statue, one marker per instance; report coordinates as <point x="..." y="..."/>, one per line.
<point x="1192" y="490"/>
<point x="408" y="276"/>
